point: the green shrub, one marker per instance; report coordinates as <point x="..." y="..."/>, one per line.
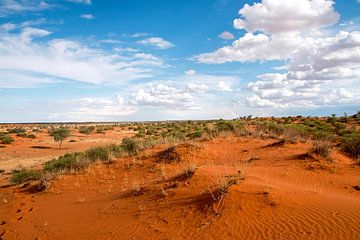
<point x="6" y="139"/>
<point x="16" y="130"/>
<point x="21" y="135"/>
<point x="23" y="175"/>
<point x="86" y="129"/>
<point x="130" y="145"/>
<point x="31" y="136"/>
<point x="98" y="153"/>
<point x="224" y="126"/>
<point x="67" y="162"/>
<point x="350" y="143"/>
<point x="195" y="134"/>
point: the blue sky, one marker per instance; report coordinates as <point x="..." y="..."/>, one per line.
<point x="92" y="60"/>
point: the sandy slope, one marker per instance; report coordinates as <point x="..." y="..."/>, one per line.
<point x="283" y="196"/>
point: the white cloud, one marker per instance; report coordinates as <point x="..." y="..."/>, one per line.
<point x="136" y="35"/>
<point x="157" y="42"/>
<point x="197" y="88"/>
<point x="68" y="59"/>
<point x="224" y="86"/>
<point x="158" y="94"/>
<point x="250" y="48"/>
<point x="190" y="72"/>
<point x="283" y="16"/>
<point x="88" y="2"/>
<point x="323" y="73"/>
<point x="87" y="16"/>
<point x="91" y="109"/>
<point x="285" y="26"/>
<point x="226" y="35"/>
<point x="322" y="70"/>
<point x="8" y="7"/>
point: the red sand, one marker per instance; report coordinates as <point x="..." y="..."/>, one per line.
<point x="283" y="196"/>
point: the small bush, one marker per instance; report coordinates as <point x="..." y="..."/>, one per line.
<point x="195" y="134"/>
<point x="350" y="143"/>
<point x="16" y="130"/>
<point x="130" y="146"/>
<point x="6" y="140"/>
<point x="86" y="129"/>
<point x="23" y="175"/>
<point x="98" y="153"/>
<point x="67" y="162"/>
<point x="322" y="148"/>
<point x="31" y="136"/>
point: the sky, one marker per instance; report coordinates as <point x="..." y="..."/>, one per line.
<point x="141" y="60"/>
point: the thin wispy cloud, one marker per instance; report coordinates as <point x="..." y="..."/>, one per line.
<point x="157" y="42"/>
<point x="87" y="16"/>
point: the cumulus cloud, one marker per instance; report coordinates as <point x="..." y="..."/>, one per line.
<point x="224" y="86"/>
<point x="226" y="35"/>
<point x="158" y="94"/>
<point x="157" y="42"/>
<point x="315" y="63"/>
<point x="313" y="74"/>
<point x="60" y="59"/>
<point x="87" y="16"/>
<point x="91" y="109"/>
<point x="284" y="26"/>
<point x="250" y="48"/>
<point x="283" y="16"/>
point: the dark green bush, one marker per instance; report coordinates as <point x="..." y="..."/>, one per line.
<point x="67" y="162"/>
<point x="98" y="153"/>
<point x="130" y="146"/>
<point x="86" y="129"/>
<point x="350" y="143"/>
<point x="6" y="139"/>
<point x="16" y="130"/>
<point x="31" y="136"/>
<point x="195" y="134"/>
<point x="23" y="175"/>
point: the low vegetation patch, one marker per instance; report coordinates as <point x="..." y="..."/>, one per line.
<point x="23" y="175"/>
<point x="67" y="162"/>
<point x="6" y="139"/>
<point x="131" y="146"/>
<point x="86" y="129"/>
<point x="350" y="144"/>
<point x="322" y="148"/>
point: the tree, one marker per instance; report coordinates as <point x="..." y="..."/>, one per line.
<point x="59" y="134"/>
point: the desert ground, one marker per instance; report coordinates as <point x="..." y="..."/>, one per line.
<point x="219" y="180"/>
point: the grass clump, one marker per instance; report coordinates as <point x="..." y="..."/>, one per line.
<point x="131" y="146"/>
<point x="322" y="148"/>
<point x="98" y="153"/>
<point x="67" y="162"/>
<point x="350" y="144"/>
<point x="86" y="129"/>
<point x="6" y="139"/>
<point x="24" y="175"/>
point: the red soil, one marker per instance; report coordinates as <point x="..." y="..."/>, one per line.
<point x="283" y="196"/>
<point x="21" y="154"/>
